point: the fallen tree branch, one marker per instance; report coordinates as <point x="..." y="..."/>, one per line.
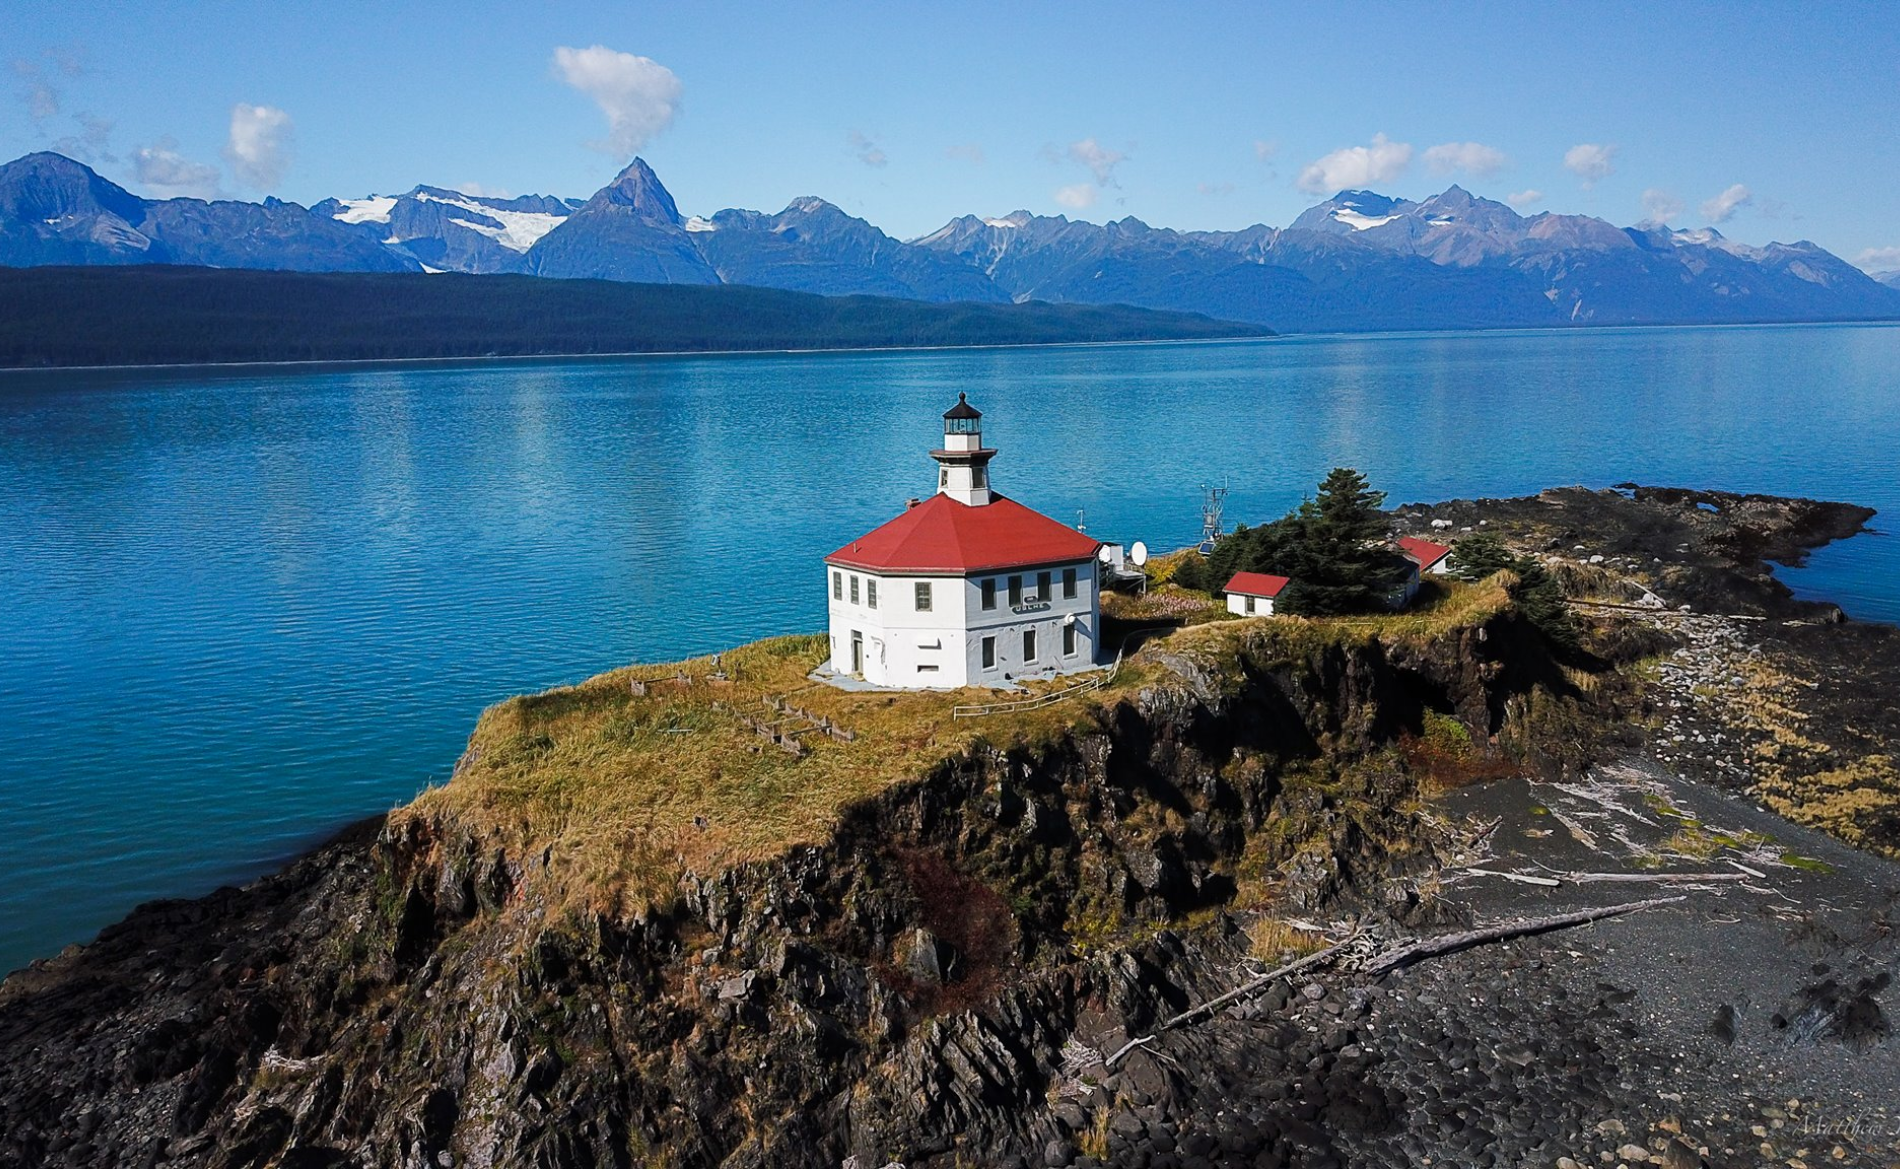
<point x="1520" y="878"/>
<point x="1219" y="1001"/>
<point x="1452" y="943"/>
<point x="1649" y="878"/>
<point x="1559" y="876"/>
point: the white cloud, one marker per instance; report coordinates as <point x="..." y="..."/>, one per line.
<point x="259" y="149"/>
<point x="1265" y="151"/>
<point x="1723" y="207"/>
<point x="484" y="191"/>
<point x="169" y="174"/>
<point x="868" y="152"/>
<point x="1474" y="158"/>
<point x="970" y="152"/>
<point x="1100" y="160"/>
<point x="640" y="96"/>
<point x="36" y="90"/>
<point x="1077" y="197"/>
<point x="92" y="145"/>
<point x="1659" y="207"/>
<point x="1523" y="199"/>
<point x="1215" y="189"/>
<point x="1878" y="260"/>
<point x="1357" y="166"/>
<point x="1590" y="162"/>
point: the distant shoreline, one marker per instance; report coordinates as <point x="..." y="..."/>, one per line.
<point x="155" y="316"/>
<point x="820" y="351"/>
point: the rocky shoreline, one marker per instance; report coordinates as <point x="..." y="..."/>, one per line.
<point x="400" y="998"/>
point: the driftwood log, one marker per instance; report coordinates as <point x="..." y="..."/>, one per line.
<point x="1396" y="958"/>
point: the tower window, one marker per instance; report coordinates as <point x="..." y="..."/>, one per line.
<point x="1068" y="584"/>
<point x="980" y="476"/>
<point x="923" y="596"/>
<point x="854" y="590"/>
<point x="870" y="593"/>
<point x="1015" y="591"/>
<point x="943" y="477"/>
<point x="837" y="586"/>
<point x="989" y="593"/>
<point x="1029" y="645"/>
<point x="989" y="652"/>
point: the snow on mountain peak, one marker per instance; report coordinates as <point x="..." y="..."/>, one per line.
<point x="1358" y="222"/>
<point x="374" y="209"/>
<point x="515" y="230"/>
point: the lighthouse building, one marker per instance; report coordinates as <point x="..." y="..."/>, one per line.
<point x="966" y="588"/>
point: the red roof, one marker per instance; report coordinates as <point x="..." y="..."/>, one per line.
<point x="1424" y="553"/>
<point x="941" y="535"/>
<point x="1256" y="584"/>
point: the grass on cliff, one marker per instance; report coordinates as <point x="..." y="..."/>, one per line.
<point x="613" y="794"/>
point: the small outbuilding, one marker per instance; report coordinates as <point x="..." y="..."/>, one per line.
<point x="1431" y="559"/>
<point x="1251" y="594"/>
<point x="1417" y="557"/>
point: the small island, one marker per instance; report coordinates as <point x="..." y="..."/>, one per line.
<point x="1317" y="886"/>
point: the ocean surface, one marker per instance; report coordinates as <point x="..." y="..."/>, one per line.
<point x="244" y="607"/>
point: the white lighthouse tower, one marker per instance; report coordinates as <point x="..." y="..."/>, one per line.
<point x="963" y="465"/>
<point x="967" y="588"/>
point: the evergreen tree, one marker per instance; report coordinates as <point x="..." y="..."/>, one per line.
<point x="1341" y="563"/>
<point x="1537" y="593"/>
<point x="1476" y="557"/>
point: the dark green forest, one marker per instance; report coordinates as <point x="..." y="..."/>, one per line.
<point x="155" y="315"/>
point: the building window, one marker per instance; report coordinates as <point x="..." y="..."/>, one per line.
<point x="837" y="586"/>
<point x="989" y="652"/>
<point x="980" y="476"/>
<point x="1249" y="606"/>
<point x="1029" y="645"/>
<point x="854" y="590"/>
<point x="1068" y="641"/>
<point x="1015" y="591"/>
<point x="870" y="593"/>
<point x="926" y="668"/>
<point x="1068" y="584"/>
<point x="923" y="596"/>
<point x="989" y="594"/>
<point x="1043" y="591"/>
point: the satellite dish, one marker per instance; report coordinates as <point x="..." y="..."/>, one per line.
<point x="1138" y="554"/>
<point x="1107" y="554"/>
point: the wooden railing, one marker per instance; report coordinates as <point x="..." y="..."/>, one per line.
<point x="1091" y="683"/>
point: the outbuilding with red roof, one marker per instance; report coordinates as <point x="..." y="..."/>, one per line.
<point x="1252" y="594"/>
<point x="1430" y="557"/>
<point x="966" y="588"/>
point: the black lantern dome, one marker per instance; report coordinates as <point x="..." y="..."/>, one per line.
<point x="962" y="418"/>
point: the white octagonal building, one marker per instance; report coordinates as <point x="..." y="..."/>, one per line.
<point x="968" y="587"/>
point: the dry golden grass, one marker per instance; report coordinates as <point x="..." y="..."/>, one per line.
<point x="1275" y="942"/>
<point x="622" y="793"/>
<point x="625" y="792"/>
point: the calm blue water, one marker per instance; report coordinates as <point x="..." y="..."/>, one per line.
<point x="244" y="608"/>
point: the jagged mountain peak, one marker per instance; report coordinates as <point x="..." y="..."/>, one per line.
<point x="639" y="188"/>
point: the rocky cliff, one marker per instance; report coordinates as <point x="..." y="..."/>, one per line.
<point x="644" y="927"/>
<point x="902" y="989"/>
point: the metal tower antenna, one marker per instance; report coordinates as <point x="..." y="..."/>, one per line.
<point x="1213" y="502"/>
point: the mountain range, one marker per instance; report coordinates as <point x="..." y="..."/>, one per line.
<point x="1358" y="261"/>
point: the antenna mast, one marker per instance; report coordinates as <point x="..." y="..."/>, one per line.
<point x="1213" y="502"/>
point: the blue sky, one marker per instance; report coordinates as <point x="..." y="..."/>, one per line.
<point x="1775" y="121"/>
